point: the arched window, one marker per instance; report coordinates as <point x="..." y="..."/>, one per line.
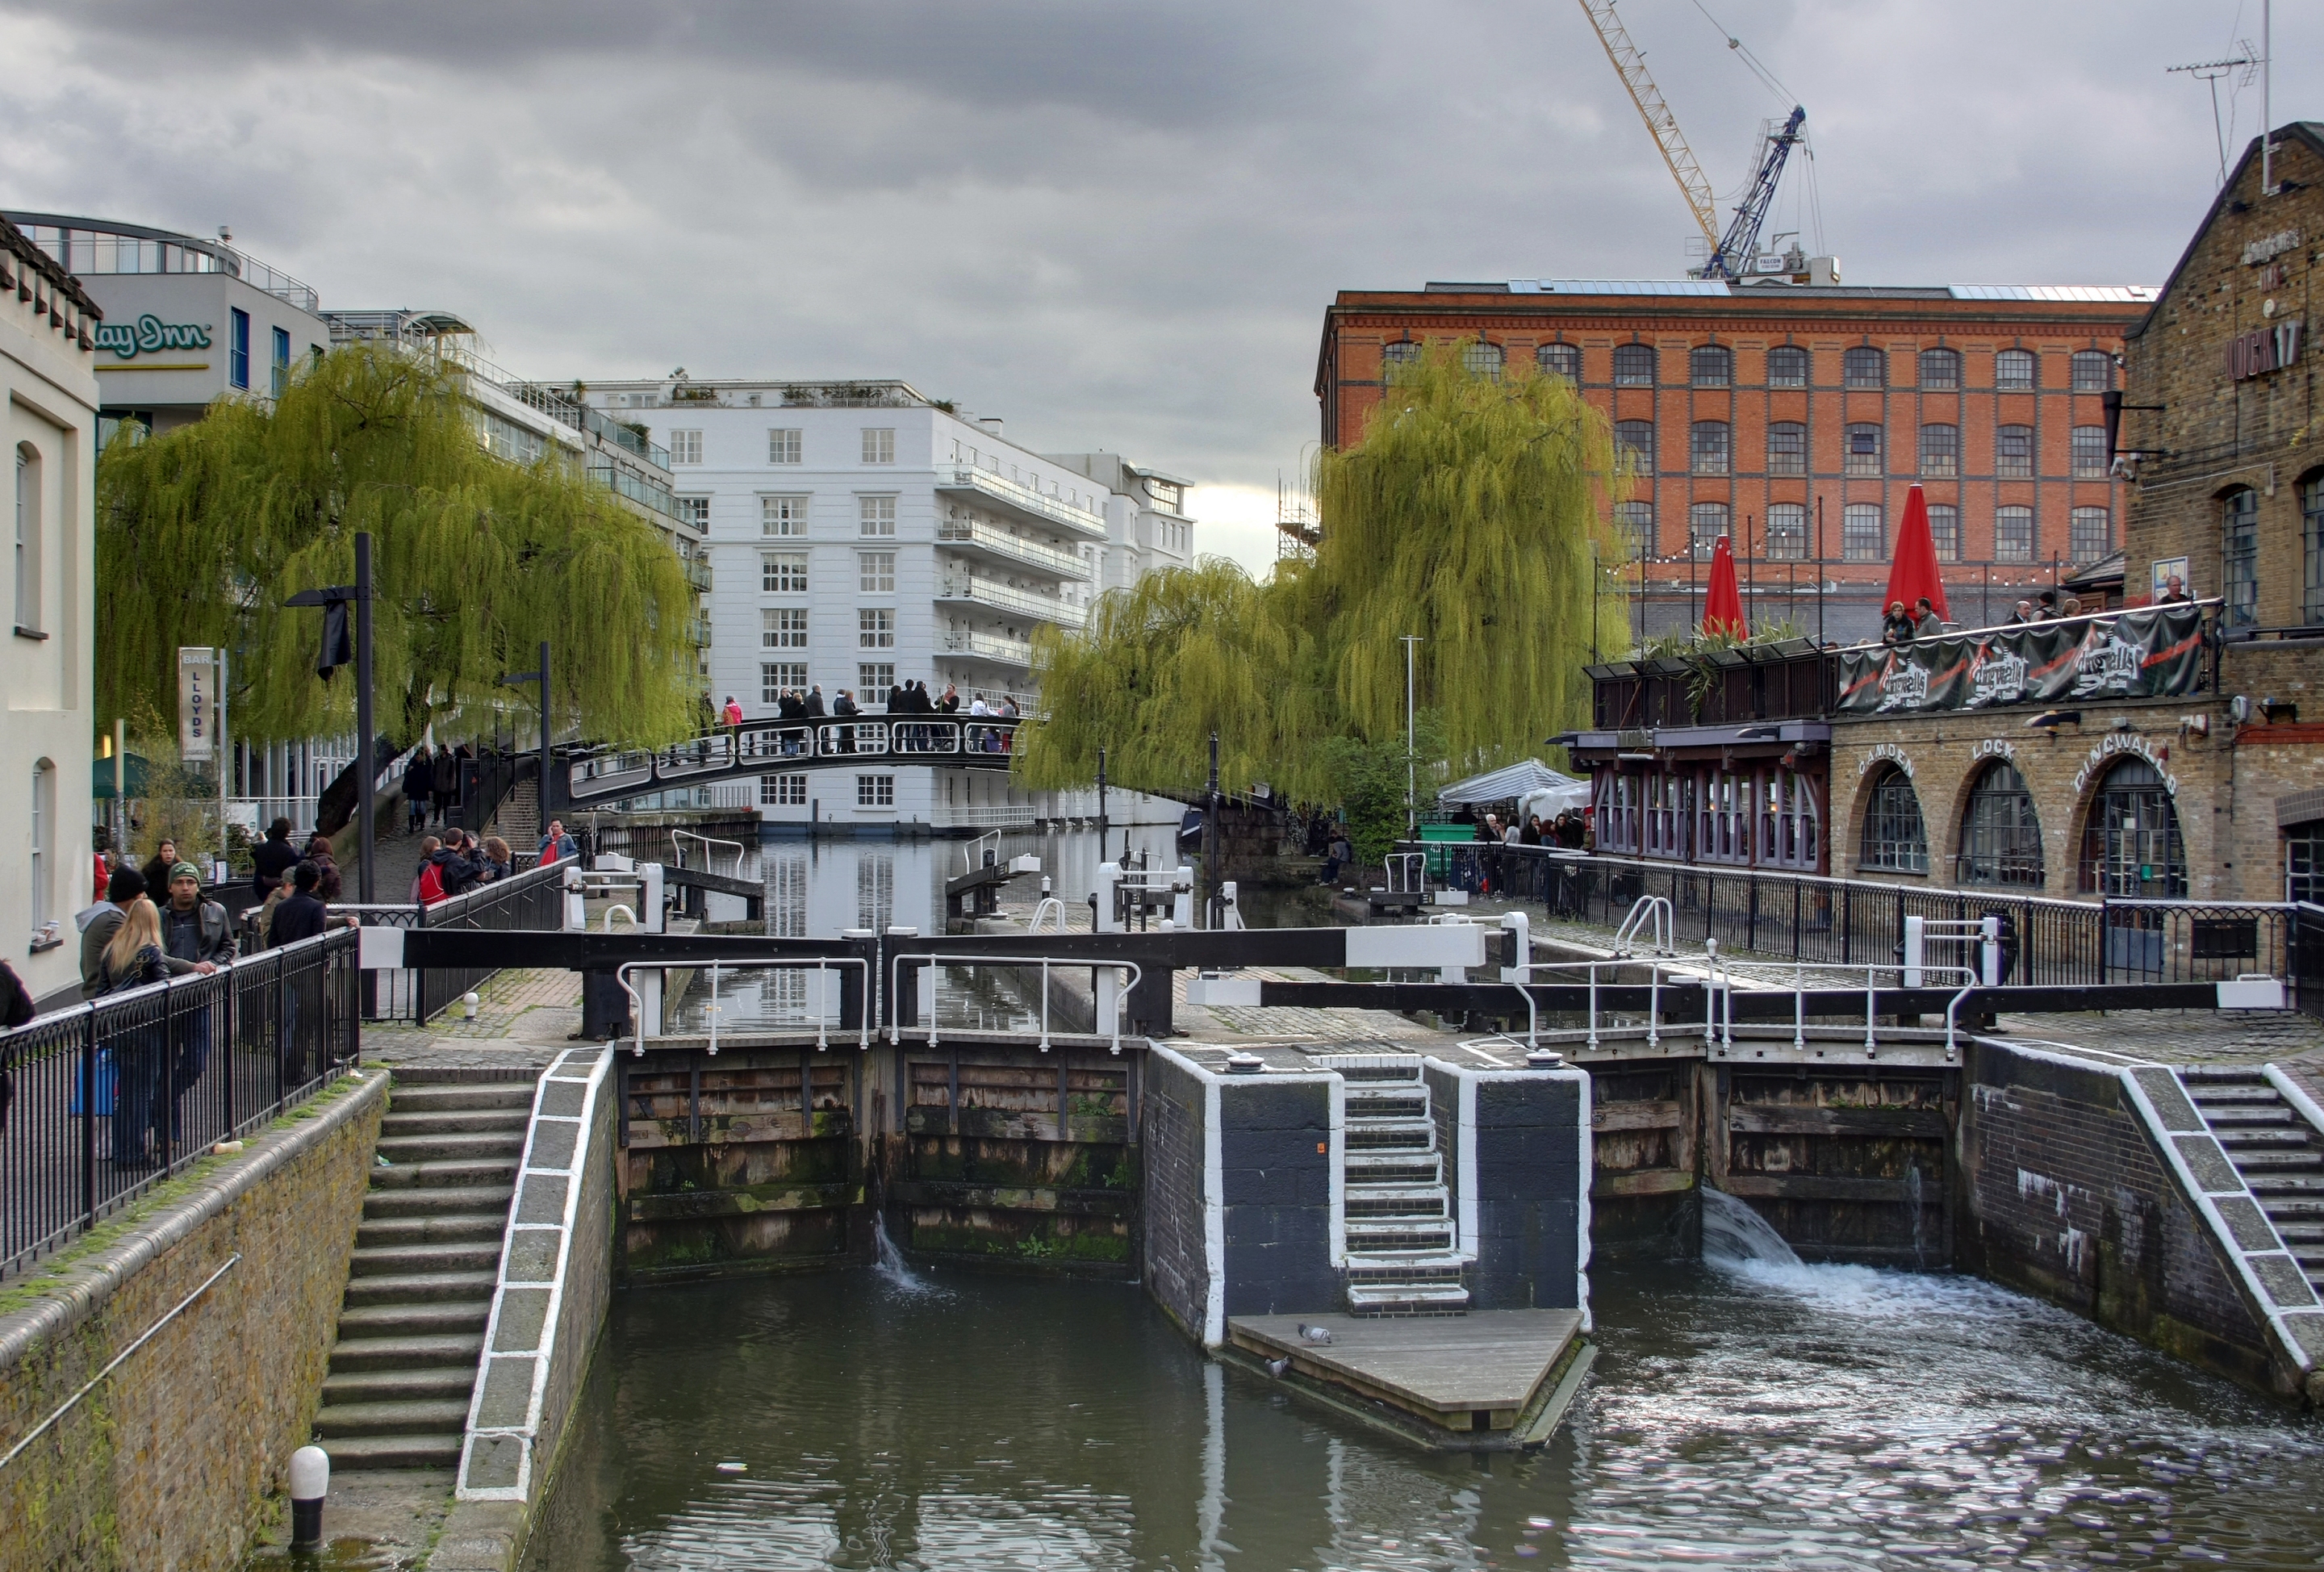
<point x="2312" y="549"/>
<point x="2012" y="371"/>
<point x="1862" y="455"/>
<point x="1940" y="370"/>
<point x="1787" y="530"/>
<point x="1708" y="448"/>
<point x="1482" y="359"/>
<point x="1941" y="450"/>
<point x="1944" y="530"/>
<point x="2130" y="843"/>
<point x="1633" y="365"/>
<point x="2088" y="534"/>
<point x="2013" y="534"/>
<point x="1787" y="366"/>
<point x="1560" y="360"/>
<point x="1635" y="520"/>
<point x="1395" y="357"/>
<point x="1895" y="839"/>
<point x="1710" y="365"/>
<point x="2093" y="371"/>
<point x="1706" y="521"/>
<point x="2239" y="556"/>
<point x="2013" y="452"/>
<point x="1787" y="447"/>
<point x="1636" y="438"/>
<point x="2001" y="838"/>
<point x="1863" y="366"/>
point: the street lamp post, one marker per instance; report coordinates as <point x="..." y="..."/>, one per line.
<point x="335" y="599"/>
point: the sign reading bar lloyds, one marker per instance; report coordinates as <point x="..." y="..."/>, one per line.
<point x="2145" y="653"/>
<point x="149" y="334"/>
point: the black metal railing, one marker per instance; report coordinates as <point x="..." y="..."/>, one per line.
<point x="532" y="897"/>
<point x="2307" y="958"/>
<point x="2045" y="941"/>
<point x="113" y="1098"/>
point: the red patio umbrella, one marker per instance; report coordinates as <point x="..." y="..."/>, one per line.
<point x="1722" y="606"/>
<point x="1914" y="572"/>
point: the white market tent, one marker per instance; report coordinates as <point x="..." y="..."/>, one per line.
<point x="1532" y="785"/>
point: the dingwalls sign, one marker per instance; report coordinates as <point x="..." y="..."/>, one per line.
<point x="2133" y="654"/>
<point x="149" y="334"/>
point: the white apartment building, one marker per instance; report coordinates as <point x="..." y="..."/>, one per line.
<point x="863" y="536"/>
<point x="48" y="343"/>
<point x="1145" y="523"/>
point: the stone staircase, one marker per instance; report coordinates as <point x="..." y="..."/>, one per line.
<point x="1404" y="1254"/>
<point x="420" y="1287"/>
<point x="2279" y="1154"/>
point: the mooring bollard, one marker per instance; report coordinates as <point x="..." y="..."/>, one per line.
<point x="311" y="1481"/>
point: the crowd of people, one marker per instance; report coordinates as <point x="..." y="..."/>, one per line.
<point x="1568" y="829"/>
<point x="909" y="698"/>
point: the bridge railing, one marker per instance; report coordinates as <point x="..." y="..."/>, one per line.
<point x="763" y="745"/>
<point x="113" y="1096"/>
<point x="531" y="900"/>
<point x="1853" y="922"/>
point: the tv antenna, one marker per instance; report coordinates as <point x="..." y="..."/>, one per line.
<point x="2245" y="60"/>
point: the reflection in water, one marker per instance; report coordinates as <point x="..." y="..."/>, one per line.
<point x="1755" y="1415"/>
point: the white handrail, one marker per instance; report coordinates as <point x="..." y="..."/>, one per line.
<point x="1647" y="909"/>
<point x="678" y="838"/>
<point x="931" y="960"/>
<point x="801" y="964"/>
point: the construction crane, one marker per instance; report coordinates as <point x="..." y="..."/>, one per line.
<point x="1730" y="253"/>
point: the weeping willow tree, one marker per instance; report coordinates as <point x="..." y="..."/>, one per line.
<point x="1469" y="512"/>
<point x="1162" y="665"/>
<point x="203" y="533"/>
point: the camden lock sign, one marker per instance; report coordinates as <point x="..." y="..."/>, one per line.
<point x="2134" y="654"/>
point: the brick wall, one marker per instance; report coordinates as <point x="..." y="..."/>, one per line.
<point x="2217" y="434"/>
<point x="167" y="1462"/>
<point x="1175" y="1265"/>
<point x="1276" y="1175"/>
<point x="2065" y="1197"/>
<point x="1530" y="1218"/>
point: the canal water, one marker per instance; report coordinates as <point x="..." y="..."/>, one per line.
<point x="1744" y="1414"/>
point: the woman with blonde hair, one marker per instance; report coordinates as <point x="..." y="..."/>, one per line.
<point x="134" y="958"/>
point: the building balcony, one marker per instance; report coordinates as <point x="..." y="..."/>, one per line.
<point x="994" y="647"/>
<point x="697" y="632"/>
<point x="975" y="538"/>
<point x="655" y="499"/>
<point x="698" y="572"/>
<point x="1048" y="608"/>
<point x="1022" y="501"/>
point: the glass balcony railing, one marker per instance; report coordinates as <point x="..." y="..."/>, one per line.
<point x="988" y="646"/>
<point x="698" y="572"/>
<point x="657" y="497"/>
<point x="991" y="538"/>
<point x="1049" y="608"/>
<point x="1023" y="498"/>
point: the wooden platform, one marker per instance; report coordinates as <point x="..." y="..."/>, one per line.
<point x="1479" y="1380"/>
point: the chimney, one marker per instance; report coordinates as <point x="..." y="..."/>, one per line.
<point x="990" y="423"/>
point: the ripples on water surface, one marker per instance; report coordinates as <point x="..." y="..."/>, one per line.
<point x="1748" y="1416"/>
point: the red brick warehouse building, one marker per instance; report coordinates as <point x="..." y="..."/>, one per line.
<point x="1750" y="406"/>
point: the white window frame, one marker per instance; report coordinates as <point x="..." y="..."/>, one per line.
<point x="693" y="511"/>
<point x="782" y="572"/>
<point x="782" y="515"/>
<point x="875" y="572"/>
<point x="875" y="627"/>
<point x="879" y="444"/>
<point x="782" y="627"/>
<point x="782" y="791"/>
<point x="875" y="515"/>
<point x="875" y="791"/>
<point x="874" y="680"/>
<point x="774" y="676"/>
<point x="785" y="444"/>
<point x="686" y="446"/>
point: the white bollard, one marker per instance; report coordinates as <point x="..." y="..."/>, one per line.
<point x="311" y="1481"/>
<point x="1990" y="951"/>
<point x="1916" y="949"/>
<point x="651" y="897"/>
<point x="1182" y="905"/>
<point x="468" y="1006"/>
<point x="1519" y="926"/>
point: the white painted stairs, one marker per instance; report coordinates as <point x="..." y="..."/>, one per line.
<point x="1403" y="1249"/>
<point x="2279" y="1154"/>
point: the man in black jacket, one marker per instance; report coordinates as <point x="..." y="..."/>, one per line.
<point x="300" y="915"/>
<point x="274" y="857"/>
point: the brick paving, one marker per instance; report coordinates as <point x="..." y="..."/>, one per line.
<point x="523" y="1018"/>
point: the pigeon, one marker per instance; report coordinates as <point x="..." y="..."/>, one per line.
<point x="1275" y="1367"/>
<point x="1317" y="1335"/>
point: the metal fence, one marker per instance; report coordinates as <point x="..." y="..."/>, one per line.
<point x="106" y="1100"/>
<point x="534" y="899"/>
<point x="2045" y="941"/>
<point x="2308" y="957"/>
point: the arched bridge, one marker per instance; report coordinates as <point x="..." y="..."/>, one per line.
<point x="769" y="747"/>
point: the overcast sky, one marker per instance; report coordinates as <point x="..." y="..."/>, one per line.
<point x="1117" y="225"/>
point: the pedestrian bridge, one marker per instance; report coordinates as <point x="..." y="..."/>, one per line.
<point x="766" y="747"/>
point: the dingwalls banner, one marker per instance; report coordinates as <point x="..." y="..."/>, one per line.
<point x="2145" y="653"/>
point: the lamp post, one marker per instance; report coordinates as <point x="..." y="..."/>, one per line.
<point x="541" y="677"/>
<point x="1411" y="778"/>
<point x="335" y="599"/>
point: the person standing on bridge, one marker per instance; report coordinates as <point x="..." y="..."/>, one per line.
<point x="733" y="715"/>
<point x="950" y="703"/>
<point x="418" y="780"/>
<point x="497" y="863"/>
<point x="815" y="711"/>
